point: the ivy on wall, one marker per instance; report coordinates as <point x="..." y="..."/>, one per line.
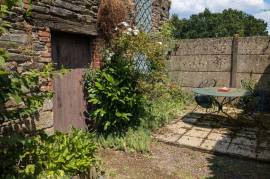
<point x="21" y="94"/>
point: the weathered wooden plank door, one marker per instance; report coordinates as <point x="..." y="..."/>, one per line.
<point x="71" y="51"/>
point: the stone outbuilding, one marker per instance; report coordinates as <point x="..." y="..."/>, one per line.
<point x="65" y="33"/>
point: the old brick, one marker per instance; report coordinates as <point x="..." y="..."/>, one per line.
<point x="48" y="45"/>
<point x="45" y="54"/>
<point x="44" y="39"/>
<point x="44" y="34"/>
<point x="45" y="60"/>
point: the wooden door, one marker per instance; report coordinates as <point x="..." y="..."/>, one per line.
<point x="72" y="51"/>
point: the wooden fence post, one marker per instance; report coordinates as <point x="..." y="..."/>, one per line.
<point x="234" y="61"/>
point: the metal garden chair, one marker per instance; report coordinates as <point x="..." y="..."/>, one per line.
<point x="205" y="101"/>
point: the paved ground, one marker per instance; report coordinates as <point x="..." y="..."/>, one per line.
<point x="220" y="135"/>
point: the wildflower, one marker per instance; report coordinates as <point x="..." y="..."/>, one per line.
<point x="136" y="32"/>
<point x="125" y="24"/>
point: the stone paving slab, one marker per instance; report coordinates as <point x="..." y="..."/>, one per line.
<point x="193" y="132"/>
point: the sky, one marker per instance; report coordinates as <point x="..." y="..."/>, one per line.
<point x="185" y="8"/>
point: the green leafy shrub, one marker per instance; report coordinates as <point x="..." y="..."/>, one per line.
<point x="42" y="155"/>
<point x="130" y="95"/>
<point x="113" y="90"/>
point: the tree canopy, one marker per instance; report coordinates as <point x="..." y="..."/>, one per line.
<point x="225" y="24"/>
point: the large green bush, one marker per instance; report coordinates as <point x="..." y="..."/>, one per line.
<point x="131" y="95"/>
<point x="47" y="156"/>
<point x="117" y="100"/>
<point x="114" y="90"/>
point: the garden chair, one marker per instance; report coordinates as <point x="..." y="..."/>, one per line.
<point x="205" y="101"/>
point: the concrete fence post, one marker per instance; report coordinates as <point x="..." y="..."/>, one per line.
<point x="233" y="75"/>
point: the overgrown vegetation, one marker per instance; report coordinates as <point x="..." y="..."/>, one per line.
<point x="21" y="94"/>
<point x="45" y="156"/>
<point x="225" y="24"/>
<point x="114" y="90"/>
<point x="164" y="102"/>
<point x="25" y="91"/>
<point x="130" y="93"/>
<point x="250" y="103"/>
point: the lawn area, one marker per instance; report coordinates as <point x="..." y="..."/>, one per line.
<point x="168" y="161"/>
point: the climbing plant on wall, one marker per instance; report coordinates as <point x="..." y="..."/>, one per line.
<point x="21" y="94"/>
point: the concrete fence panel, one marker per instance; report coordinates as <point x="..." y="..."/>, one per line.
<point x="214" y="58"/>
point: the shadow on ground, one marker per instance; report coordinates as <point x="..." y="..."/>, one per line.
<point x="242" y="148"/>
<point x="218" y="147"/>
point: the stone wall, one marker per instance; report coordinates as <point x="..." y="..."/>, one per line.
<point x="29" y="46"/>
<point x="69" y="15"/>
<point x="198" y="59"/>
<point x="161" y="12"/>
<point x="29" y="42"/>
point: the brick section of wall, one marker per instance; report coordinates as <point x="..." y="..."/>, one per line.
<point x="97" y="46"/>
<point x="44" y="36"/>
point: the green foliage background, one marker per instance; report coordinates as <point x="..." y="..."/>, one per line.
<point x="225" y="24"/>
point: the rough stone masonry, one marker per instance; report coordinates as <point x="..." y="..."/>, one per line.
<point x="29" y="43"/>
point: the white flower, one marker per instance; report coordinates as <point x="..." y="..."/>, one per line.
<point x="136" y="32"/>
<point x="111" y="54"/>
<point x="160" y="43"/>
<point x="125" y="24"/>
<point x="108" y="58"/>
<point x="129" y="29"/>
<point x="128" y="32"/>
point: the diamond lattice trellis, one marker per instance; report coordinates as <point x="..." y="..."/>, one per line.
<point x="144" y="14"/>
<point x="143" y="21"/>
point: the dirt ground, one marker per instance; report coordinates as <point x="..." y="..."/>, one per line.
<point x="170" y="162"/>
